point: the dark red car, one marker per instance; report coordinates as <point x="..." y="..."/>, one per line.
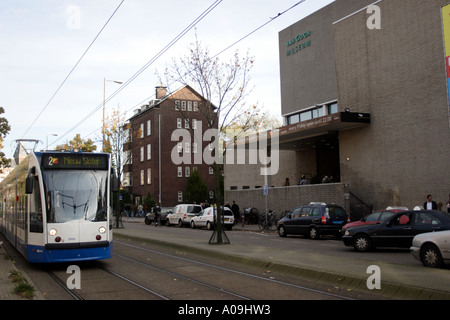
<point x="375" y="217"/>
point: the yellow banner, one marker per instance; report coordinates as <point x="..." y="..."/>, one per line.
<point x="446" y="29"/>
<point x="446" y="26"/>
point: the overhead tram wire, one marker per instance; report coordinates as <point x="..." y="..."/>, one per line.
<point x="73" y="68"/>
<point x="216" y="55"/>
<point x="229" y="47"/>
<point x="220" y="52"/>
<point x="143" y="68"/>
<point x="257" y="29"/>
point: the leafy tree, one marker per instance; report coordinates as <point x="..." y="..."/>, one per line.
<point x="196" y="189"/>
<point x="78" y="144"/>
<point x="149" y="202"/>
<point x="4" y="130"/>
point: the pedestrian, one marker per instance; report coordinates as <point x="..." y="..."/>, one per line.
<point x="157" y="211"/>
<point x="302" y="180"/>
<point x="235" y="210"/>
<point x="430" y="204"/>
<point x="448" y="203"/>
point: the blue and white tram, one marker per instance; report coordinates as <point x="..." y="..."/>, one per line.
<point x="57" y="206"/>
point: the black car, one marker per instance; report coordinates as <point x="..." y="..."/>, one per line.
<point x="397" y="231"/>
<point x="150" y="217"/>
<point x="313" y="220"/>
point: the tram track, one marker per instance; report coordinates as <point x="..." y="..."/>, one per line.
<point x="180" y="276"/>
<point x="139" y="272"/>
<point x="74" y="294"/>
<point x="226" y="270"/>
<point x="84" y="294"/>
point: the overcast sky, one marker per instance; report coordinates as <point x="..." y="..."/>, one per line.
<point x="41" y="41"/>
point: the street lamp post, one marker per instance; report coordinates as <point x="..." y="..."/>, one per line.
<point x="50" y="134"/>
<point x="104" y="104"/>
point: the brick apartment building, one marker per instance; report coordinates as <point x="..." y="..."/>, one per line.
<point x="150" y="146"/>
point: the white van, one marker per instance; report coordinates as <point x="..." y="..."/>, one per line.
<point x="182" y="214"/>
<point x="207" y="218"/>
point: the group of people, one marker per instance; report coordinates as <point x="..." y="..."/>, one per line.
<point x="314" y="180"/>
<point x="430" y="204"/>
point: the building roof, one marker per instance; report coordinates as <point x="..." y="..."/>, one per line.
<point x="156" y="102"/>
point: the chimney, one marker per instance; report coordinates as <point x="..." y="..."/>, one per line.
<point x="161" y="92"/>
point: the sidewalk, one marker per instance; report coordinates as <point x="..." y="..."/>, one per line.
<point x="6" y="284"/>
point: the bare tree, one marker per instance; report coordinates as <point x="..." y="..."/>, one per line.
<point x="116" y="133"/>
<point x="224" y="85"/>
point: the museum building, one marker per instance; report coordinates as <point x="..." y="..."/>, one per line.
<point x="364" y="100"/>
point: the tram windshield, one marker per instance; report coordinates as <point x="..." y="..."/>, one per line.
<point x="75" y="195"/>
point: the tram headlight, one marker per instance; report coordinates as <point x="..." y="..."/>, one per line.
<point x="53" y="232"/>
<point x="102" y="229"/>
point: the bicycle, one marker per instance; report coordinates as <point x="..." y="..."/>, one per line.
<point x="268" y="221"/>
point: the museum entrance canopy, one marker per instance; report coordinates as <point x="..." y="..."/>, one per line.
<point x="321" y="132"/>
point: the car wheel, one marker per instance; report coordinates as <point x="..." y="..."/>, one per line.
<point x="282" y="231"/>
<point x="431" y="256"/>
<point x="208" y="225"/>
<point x="313" y="233"/>
<point x="192" y="224"/>
<point x="180" y="223"/>
<point x="361" y="243"/>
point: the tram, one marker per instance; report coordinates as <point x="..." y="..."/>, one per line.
<point x="57" y="206"/>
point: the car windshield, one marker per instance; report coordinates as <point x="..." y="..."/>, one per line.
<point x="75" y="195"/>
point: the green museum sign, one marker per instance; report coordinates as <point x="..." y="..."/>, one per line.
<point x="298" y="43"/>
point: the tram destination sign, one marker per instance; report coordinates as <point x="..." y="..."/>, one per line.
<point x="74" y="161"/>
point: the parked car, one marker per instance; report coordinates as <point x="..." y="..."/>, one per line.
<point x="313" y="220"/>
<point x="432" y="248"/>
<point x="150" y="217"/>
<point x="208" y="218"/>
<point x="182" y="214"/>
<point x="375" y="217"/>
<point x="397" y="231"/>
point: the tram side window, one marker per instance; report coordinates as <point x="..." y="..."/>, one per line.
<point x="36" y="224"/>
